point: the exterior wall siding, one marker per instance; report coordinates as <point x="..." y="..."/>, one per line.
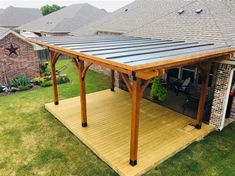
<point x="26" y="62"/>
<point x="221" y="87"/>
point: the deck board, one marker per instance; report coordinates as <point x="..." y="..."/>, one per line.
<point x="162" y="132"/>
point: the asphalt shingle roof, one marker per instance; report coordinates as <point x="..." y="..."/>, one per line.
<point x="66" y="19"/>
<point x="16" y="16"/>
<point x="159" y="19"/>
<point x="1" y="10"/>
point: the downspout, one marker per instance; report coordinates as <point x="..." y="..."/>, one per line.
<point x="226" y="98"/>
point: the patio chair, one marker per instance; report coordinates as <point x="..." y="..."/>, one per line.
<point x="182" y="87"/>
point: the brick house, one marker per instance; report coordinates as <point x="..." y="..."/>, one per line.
<point x="188" y="20"/>
<point x="17" y="56"/>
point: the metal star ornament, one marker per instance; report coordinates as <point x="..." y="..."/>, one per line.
<point x="11" y="50"/>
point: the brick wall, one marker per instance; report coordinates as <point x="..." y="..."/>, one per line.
<point x="26" y="62"/>
<point x="221" y="87"/>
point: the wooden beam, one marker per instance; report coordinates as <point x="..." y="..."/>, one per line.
<point x="126" y="80"/>
<point x="186" y="60"/>
<point x="201" y="69"/>
<point x="53" y="59"/>
<point x="146" y="75"/>
<point x="86" y="67"/>
<point x="112" y="82"/>
<point x="135" y="120"/>
<point x="144" y="87"/>
<point x="76" y="62"/>
<point x="80" y="67"/>
<point x="205" y="73"/>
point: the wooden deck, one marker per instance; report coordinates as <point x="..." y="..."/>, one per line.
<point x="162" y="132"/>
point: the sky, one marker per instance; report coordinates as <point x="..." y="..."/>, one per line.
<point x="109" y="5"/>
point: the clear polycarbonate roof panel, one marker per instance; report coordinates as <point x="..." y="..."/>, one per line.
<point x="131" y="51"/>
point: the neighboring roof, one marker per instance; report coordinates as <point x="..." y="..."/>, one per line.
<point x="160" y="18"/>
<point x="4" y="32"/>
<point x="66" y="20"/>
<point x="28" y="34"/>
<point x="16" y="16"/>
<point x="132" y="16"/>
<point x="134" y="54"/>
<point x="1" y="10"/>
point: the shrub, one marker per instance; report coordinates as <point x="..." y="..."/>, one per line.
<point x="20" y="81"/>
<point x="158" y="90"/>
<point x="46" y="83"/>
<point x="62" y="79"/>
<point x="38" y="80"/>
<point x="44" y="68"/>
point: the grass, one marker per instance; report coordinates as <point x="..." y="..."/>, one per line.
<point x="33" y="142"/>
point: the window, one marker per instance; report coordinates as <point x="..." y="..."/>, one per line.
<point x="188" y="71"/>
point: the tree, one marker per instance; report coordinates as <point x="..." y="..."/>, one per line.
<point x="47" y="9"/>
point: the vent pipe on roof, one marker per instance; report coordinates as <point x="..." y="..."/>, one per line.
<point x="180" y="11"/>
<point x="198" y="11"/>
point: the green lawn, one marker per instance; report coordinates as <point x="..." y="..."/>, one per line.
<point x="33" y="142"/>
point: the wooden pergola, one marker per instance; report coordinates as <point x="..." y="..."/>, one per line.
<point x="141" y="59"/>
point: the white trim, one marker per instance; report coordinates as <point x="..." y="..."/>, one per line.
<point x="226" y="98"/>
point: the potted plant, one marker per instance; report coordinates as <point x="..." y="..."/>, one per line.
<point x="158" y="91"/>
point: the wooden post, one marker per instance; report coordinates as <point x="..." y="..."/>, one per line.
<point x="112" y="82"/>
<point x="53" y="59"/>
<point x="205" y="73"/>
<point x="82" y="94"/>
<point x="136" y="90"/>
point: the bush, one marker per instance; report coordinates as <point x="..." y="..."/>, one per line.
<point x="38" y="80"/>
<point x="20" y="81"/>
<point x="158" y="90"/>
<point x="44" y="68"/>
<point x="46" y="83"/>
<point x="62" y="79"/>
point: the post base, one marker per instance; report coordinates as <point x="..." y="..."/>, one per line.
<point x="56" y="103"/>
<point x="133" y="162"/>
<point x="84" y="124"/>
<point x="198" y="126"/>
<point x="112" y="89"/>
